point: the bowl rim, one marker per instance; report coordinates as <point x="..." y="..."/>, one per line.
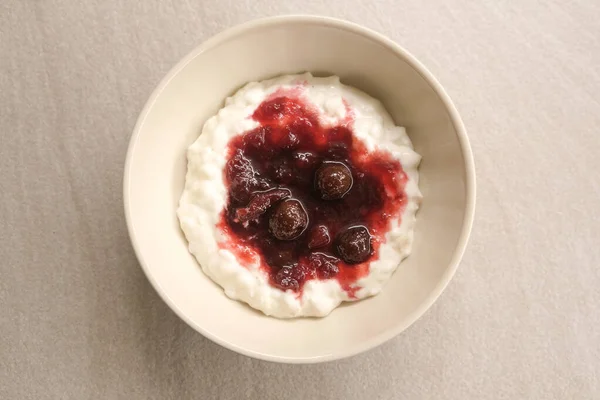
<point x="465" y="147"/>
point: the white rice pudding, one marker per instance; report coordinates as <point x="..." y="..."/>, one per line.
<point x="205" y="196"/>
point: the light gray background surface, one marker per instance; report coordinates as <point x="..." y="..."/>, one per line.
<point x="519" y="321"/>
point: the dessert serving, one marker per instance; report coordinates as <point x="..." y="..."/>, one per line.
<point x="300" y="194"/>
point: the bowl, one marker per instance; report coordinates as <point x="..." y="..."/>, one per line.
<point x="195" y="89"/>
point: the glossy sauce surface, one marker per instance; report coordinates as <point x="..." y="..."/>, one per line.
<point x="278" y="161"/>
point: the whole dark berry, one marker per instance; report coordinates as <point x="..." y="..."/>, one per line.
<point x="288" y="220"/>
<point x="353" y="245"/>
<point x="333" y="180"/>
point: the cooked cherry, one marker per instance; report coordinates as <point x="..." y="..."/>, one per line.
<point x="354" y="245"/>
<point x="288" y="141"/>
<point x="256" y="139"/>
<point x="285" y="279"/>
<point x="282" y="172"/>
<point x="319" y="237"/>
<point x="259" y="204"/>
<point x="243" y="179"/>
<point x="333" y="180"/>
<point x="304" y="159"/>
<point x="288" y="220"/>
<point x="291" y="277"/>
<point x="325" y="266"/>
<point x="282" y="258"/>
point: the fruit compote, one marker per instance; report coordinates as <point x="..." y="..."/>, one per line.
<point x="309" y="199"/>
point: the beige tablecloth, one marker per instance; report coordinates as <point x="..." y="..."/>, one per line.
<point x="519" y="321"/>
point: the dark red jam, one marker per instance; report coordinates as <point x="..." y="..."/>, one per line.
<point x="309" y="199"/>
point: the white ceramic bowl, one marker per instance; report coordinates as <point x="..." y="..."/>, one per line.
<point x="196" y="88"/>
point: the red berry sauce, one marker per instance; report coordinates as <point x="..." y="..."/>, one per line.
<point x="278" y="160"/>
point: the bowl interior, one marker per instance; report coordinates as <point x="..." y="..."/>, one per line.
<point x="195" y="90"/>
